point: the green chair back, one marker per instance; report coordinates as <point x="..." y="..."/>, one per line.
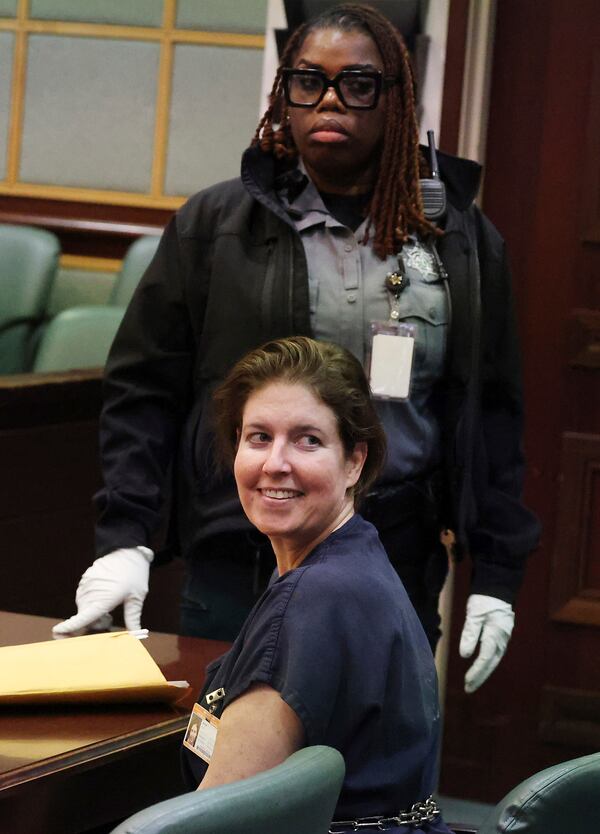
<point x="28" y="264"/>
<point x="136" y="260"/>
<point x="564" y="799"/>
<point x="296" y="797"/>
<point x="79" y="337"/>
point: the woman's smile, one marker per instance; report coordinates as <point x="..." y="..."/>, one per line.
<point x="279" y="494"/>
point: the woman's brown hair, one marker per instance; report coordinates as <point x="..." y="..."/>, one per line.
<point x="331" y="372"/>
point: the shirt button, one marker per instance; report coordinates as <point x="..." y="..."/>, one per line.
<point x="348" y="247"/>
<point x="351" y="297"/>
<point x="433" y="313"/>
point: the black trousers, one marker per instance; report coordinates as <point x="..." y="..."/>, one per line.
<point x="223" y="582"/>
<point x="233" y="569"/>
<point x="420" y="560"/>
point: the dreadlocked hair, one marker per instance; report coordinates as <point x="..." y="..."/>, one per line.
<point x="396" y="206"/>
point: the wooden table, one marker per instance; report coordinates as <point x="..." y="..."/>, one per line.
<point x="80" y="769"/>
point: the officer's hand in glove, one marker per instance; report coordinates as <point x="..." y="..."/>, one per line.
<point x="119" y="577"/>
<point x="490" y="620"/>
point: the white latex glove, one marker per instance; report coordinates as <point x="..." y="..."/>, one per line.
<point x="119" y="577"/>
<point x="492" y="620"/>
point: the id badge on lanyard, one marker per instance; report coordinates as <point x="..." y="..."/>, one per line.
<point x="390" y="359"/>
<point x="203" y="727"/>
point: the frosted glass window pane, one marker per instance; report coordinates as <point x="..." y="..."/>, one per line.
<point x="89" y="113"/>
<point x="123" y="12"/>
<point x="214" y="113"/>
<point x="6" y="55"/>
<point x="223" y="15"/>
<point x="8" y="8"/>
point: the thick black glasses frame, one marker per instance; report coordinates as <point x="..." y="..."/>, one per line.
<point x="288" y="73"/>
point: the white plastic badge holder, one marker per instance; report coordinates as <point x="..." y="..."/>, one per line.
<point x="201" y="734"/>
<point x="391" y="360"/>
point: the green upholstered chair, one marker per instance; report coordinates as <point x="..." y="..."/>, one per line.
<point x="296" y="797"/>
<point x="135" y="262"/>
<point x="564" y="799"/>
<point x="79" y="337"/>
<point x="28" y="264"/>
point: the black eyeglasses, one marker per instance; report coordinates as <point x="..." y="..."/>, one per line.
<point x="356" y="89"/>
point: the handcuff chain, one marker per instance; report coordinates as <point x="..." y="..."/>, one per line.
<point x="420" y="812"/>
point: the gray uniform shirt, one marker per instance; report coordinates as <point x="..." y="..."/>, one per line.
<point x="347" y="292"/>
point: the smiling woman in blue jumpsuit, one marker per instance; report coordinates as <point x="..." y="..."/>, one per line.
<point x="332" y="652"/>
<point x="324" y="234"/>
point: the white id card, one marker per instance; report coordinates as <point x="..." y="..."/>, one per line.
<point x="201" y="734"/>
<point x="390" y="367"/>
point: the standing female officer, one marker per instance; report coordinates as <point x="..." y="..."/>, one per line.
<point x="325" y="234"/>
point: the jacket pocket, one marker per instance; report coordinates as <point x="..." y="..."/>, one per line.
<point x="426" y="308"/>
<point x="198" y="459"/>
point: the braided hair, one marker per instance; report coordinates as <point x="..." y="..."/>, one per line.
<point x="396" y="207"/>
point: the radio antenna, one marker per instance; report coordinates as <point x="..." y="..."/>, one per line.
<point x="435" y="171"/>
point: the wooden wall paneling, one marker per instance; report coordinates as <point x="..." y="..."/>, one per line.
<point x="536" y="175"/>
<point x="48" y="448"/>
<point x="458" y="21"/>
<point x="69" y="193"/>
<point x="90" y="263"/>
<point x="509" y="199"/>
<point x="45" y="554"/>
<point x="7" y="48"/>
<point x="575" y="576"/>
<point x="583" y="381"/>
<point x="15" y="120"/>
<point x="591" y="186"/>
<point x="570" y="717"/>
<point x="85" y="229"/>
<point x="50" y="471"/>
<point x="584" y="347"/>
<point x="163" y="100"/>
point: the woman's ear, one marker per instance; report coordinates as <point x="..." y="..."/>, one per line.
<point x="355" y="462"/>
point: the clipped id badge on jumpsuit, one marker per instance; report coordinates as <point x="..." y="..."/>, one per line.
<point x="203" y="727"/>
<point x="392" y="345"/>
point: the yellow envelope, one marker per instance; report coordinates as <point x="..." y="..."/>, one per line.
<point x="101" y="668"/>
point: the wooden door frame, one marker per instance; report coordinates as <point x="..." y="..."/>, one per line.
<point x="535" y="709"/>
